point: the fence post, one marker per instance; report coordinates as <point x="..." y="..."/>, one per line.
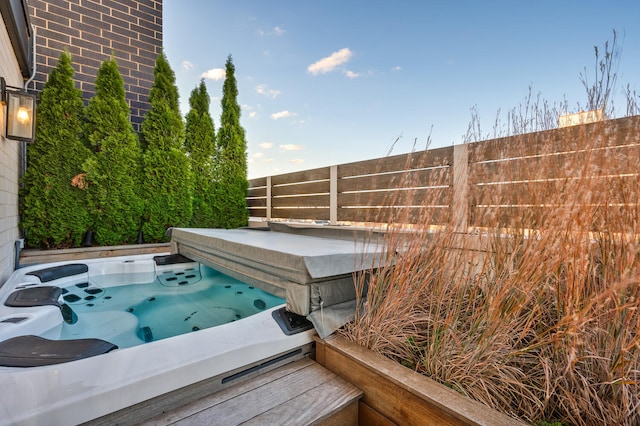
<point x="268" y="198"/>
<point x="460" y="202"/>
<point x="333" y="195"/>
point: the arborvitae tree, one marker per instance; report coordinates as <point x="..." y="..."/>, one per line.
<point x="166" y="170"/>
<point x="232" y="185"/>
<point x="54" y="213"/>
<point x="113" y="171"/>
<point x="200" y="144"/>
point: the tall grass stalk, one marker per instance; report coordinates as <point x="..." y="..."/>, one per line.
<point x="537" y="317"/>
<point x="538" y="323"/>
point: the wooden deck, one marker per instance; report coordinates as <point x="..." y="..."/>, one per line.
<point x="300" y="393"/>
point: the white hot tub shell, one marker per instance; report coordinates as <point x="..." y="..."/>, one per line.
<point x="82" y="390"/>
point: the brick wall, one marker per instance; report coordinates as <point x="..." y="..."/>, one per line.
<point x="93" y="30"/>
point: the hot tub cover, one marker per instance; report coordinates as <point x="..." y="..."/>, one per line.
<point x="311" y="273"/>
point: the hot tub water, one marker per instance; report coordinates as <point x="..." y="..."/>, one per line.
<point x="181" y="300"/>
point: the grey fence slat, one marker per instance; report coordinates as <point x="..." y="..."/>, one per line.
<point x="511" y="181"/>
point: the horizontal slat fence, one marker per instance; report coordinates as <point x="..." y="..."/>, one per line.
<point x="301" y="195"/>
<point x="406" y="188"/>
<point x="402" y="188"/>
<point x="514" y="181"/>
<point x="525" y="180"/>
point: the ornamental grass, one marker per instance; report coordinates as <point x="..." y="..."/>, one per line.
<point x="535" y="315"/>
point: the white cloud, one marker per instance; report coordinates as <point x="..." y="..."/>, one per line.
<point x="352" y="75"/>
<point x="282" y="114"/>
<point x="266" y="145"/>
<point x="330" y="63"/>
<point x="187" y="65"/>
<point x="267" y="160"/>
<point x="297" y="161"/>
<point x="276" y="31"/>
<point x="291" y="147"/>
<point x="262" y="89"/>
<point x="253" y="114"/>
<point x="258" y="155"/>
<point x="396" y="68"/>
<point x="214" y="74"/>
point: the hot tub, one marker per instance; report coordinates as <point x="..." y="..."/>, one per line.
<point x="312" y="273"/>
<point x="133" y="353"/>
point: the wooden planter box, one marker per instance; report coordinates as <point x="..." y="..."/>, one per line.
<point x="394" y="394"/>
<point x="32" y="256"/>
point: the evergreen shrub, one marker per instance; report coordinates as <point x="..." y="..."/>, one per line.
<point x="53" y="211"/>
<point x="167" y="179"/>
<point x="231" y="171"/>
<point x="200" y="144"/>
<point x="113" y="171"/>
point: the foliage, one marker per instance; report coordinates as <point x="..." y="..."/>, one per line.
<point x="600" y="90"/>
<point x="540" y="324"/>
<point x="231" y="180"/>
<point x="54" y="213"/>
<point x="537" y="114"/>
<point x="113" y="172"/>
<point x="164" y="90"/>
<point x="200" y="144"/>
<point x="537" y="318"/>
<point x="166" y="169"/>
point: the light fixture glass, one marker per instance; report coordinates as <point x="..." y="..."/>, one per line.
<point x="20" y="116"/>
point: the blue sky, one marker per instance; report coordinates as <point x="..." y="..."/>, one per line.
<point x="324" y="82"/>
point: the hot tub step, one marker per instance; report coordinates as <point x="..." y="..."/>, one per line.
<point x="302" y="393"/>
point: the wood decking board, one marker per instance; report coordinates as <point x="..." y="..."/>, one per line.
<point x="300" y="393"/>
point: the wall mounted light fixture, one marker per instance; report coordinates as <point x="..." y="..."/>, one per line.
<point x="21" y="108"/>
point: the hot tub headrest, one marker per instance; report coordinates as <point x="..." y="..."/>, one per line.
<point x="35" y="351"/>
<point x="61" y="271"/>
<point x="34" y="296"/>
<point x="171" y="259"/>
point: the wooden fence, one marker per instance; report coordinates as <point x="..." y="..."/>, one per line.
<point x="502" y="181"/>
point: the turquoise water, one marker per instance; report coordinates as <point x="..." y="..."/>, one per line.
<point x="178" y="301"/>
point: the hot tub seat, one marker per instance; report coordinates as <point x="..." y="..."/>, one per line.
<point x="35" y="351"/>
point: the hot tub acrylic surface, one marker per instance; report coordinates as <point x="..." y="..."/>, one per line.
<point x="181" y="299"/>
<point x="199" y="332"/>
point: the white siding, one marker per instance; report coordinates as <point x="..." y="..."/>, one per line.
<point x="9" y="232"/>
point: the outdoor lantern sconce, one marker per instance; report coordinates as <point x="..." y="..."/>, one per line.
<point x="21" y="108"/>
